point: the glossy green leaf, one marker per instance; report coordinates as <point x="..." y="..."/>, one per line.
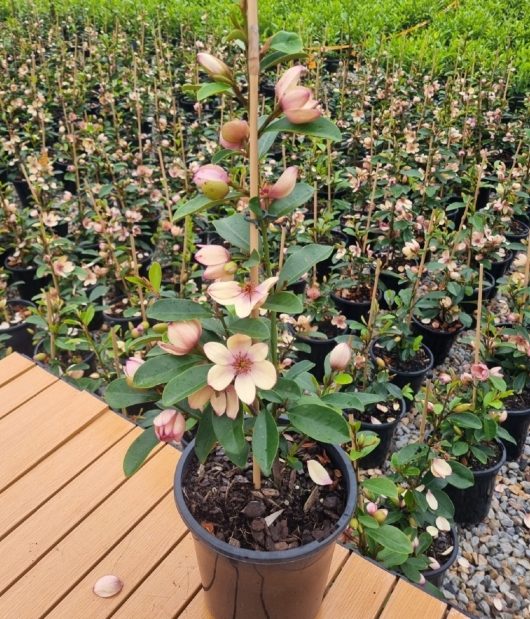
<point x="234" y="229"/>
<point x="184" y="384"/>
<point x="301" y="194"/>
<point x="391" y="538"/>
<point x="155" y="275"/>
<point x="161" y="369"/>
<point x="265" y="441"/>
<point x="284" y="302"/>
<point x="301" y="261"/>
<point x="320" y="422"/>
<point x="212" y="89"/>
<point x="381" y="486"/>
<point x="170" y="310"/>
<point x="286" y="42"/>
<point x="229" y="433"/>
<point x="205" y="438"/>
<point x="120" y="395"/>
<point x="139" y="450"/>
<point x="319" y="128"/>
<point x="256" y="328"/>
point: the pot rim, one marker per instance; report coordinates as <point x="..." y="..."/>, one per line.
<point x="336" y="297"/>
<point x="522" y="412"/>
<point x="412" y="373"/>
<point x="494" y="468"/>
<point x="383" y="426"/>
<point x="19" y="325"/>
<point x="450" y="559"/>
<point x="262" y="556"/>
<point x="437" y="331"/>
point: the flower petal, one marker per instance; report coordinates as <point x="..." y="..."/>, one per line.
<point x="245" y="388"/>
<point x="218" y="353"/>
<point x="302" y="116"/>
<point x="220" y="376"/>
<point x="218" y="402"/>
<point x="258" y="352"/>
<point x="318" y="473"/>
<point x="224" y="292"/>
<point x="263" y="374"/>
<point x="232" y="402"/>
<point x="244" y="304"/>
<point x="199" y="399"/>
<point x="239" y="343"/>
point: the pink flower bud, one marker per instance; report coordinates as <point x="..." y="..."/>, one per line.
<point x="234" y="134"/>
<point x="370" y="508"/>
<point x="210" y="172"/>
<point x="303" y="115"/>
<point x="480" y="371"/>
<point x="444" y="378"/>
<point x="210" y="255"/>
<point x="169" y="426"/>
<point x="340" y="357"/>
<point x="289" y="80"/>
<point x="213" y="65"/>
<point x="283" y="186"/>
<point x="131" y="366"/>
<point x="313" y="293"/>
<point x="183" y="337"/>
<point x="440" y="468"/>
<point x="295" y="98"/>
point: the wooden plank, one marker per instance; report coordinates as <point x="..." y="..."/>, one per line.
<point x="12" y="366"/>
<point x="410" y="602"/>
<point x="456" y="614"/>
<point x="41" y="425"/>
<point x="196" y="609"/>
<point x="23" y="388"/>
<point x="167" y="590"/>
<point x="49" y="580"/>
<point x="359" y="592"/>
<point x="132" y="559"/>
<point x="26" y="544"/>
<point x="29" y="492"/>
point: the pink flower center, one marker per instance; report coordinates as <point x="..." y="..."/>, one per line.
<point x="248" y="288"/>
<point x="241" y="364"/>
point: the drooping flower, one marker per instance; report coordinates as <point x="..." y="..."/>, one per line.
<point x="480" y="371"/>
<point x="169" y="426"/>
<point x="289" y="80"/>
<point x="340" y="357"/>
<point x="283" y="186"/>
<point x="242" y="363"/>
<point x="213" y="66"/>
<point x="440" y="468"/>
<point x="212" y="180"/>
<point x="183" y="336"/>
<point x="63" y="267"/>
<point x="296" y="101"/>
<point x="222" y="402"/>
<point x="244" y="297"/>
<point x="216" y="258"/>
<point x="234" y="134"/>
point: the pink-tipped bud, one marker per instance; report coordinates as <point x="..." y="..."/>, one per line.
<point x="169" y="426"/>
<point x="213" y="65"/>
<point x="340" y="357"/>
<point x="210" y="255"/>
<point x="183" y="337"/>
<point x="313" y="293"/>
<point x="284" y="185"/>
<point x="295" y="98"/>
<point x="289" y="80"/>
<point x="234" y="134"/>
<point x="131" y="366"/>
<point x="224" y="272"/>
<point x="370" y="508"/>
<point x="210" y="172"/>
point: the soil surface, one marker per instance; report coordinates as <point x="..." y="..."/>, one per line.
<point x="518" y="401"/>
<point x="360" y="294"/>
<point x="441" y="547"/>
<point x="289" y="510"/>
<point x="470" y="461"/>
<point x="384" y="412"/>
<point x="393" y="362"/>
<point x="441" y="325"/>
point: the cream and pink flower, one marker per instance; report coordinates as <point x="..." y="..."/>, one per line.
<point x="169" y="426"/>
<point x="216" y="259"/>
<point x="234" y="134"/>
<point x="213" y="66"/>
<point x="131" y="367"/>
<point x="243" y="297"/>
<point x="183" y="337"/>
<point x="296" y="101"/>
<point x="223" y="402"/>
<point x="242" y="364"/>
<point x="340" y="357"/>
<point x="283" y="186"/>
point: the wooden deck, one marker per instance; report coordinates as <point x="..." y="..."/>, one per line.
<point x="68" y="516"/>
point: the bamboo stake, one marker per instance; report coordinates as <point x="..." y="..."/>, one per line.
<point x="526" y="278"/>
<point x="423" y="420"/>
<point x="282" y="248"/>
<point x="253" y="111"/>
<point x="479" y="322"/>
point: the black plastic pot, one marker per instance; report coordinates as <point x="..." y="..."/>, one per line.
<point x="469" y="304"/>
<point x="320" y="348"/>
<point x="298" y="287"/>
<point x="437" y="341"/>
<point x="436" y="577"/>
<point x="28" y="285"/>
<point x="385" y="432"/>
<point x="121" y="321"/>
<point x="400" y="378"/>
<point x="87" y="356"/>
<point x="473" y="504"/>
<point x="517" y="424"/>
<point x="499" y="268"/>
<point x="23" y="191"/>
<point x="353" y="310"/>
<point x="522" y="235"/>
<point x="249" y="584"/>
<point x="20" y="336"/>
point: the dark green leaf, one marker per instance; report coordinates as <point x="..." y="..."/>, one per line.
<point x="184" y="384"/>
<point x="229" y="433"/>
<point x="205" y="439"/>
<point x="170" y="310"/>
<point x="391" y="538"/>
<point x="320" y="128"/>
<point x="265" y="441"/>
<point x="300" y="195"/>
<point x="211" y="89"/>
<point x="320" y="422"/>
<point x="256" y="328"/>
<point x="234" y="229"/>
<point x="381" y="486"/>
<point x="285" y="302"/>
<point x="301" y="261"/>
<point x="286" y="42"/>
<point x="120" y="395"/>
<point x="161" y="369"/>
<point x="138" y="451"/>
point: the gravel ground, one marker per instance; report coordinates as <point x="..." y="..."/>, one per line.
<point x="491" y="577"/>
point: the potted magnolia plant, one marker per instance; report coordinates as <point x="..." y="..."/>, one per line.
<point x="261" y="550"/>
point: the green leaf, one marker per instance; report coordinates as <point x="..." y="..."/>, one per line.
<point x="320" y="422"/>
<point x="285" y="302"/>
<point x="300" y="195"/>
<point x="138" y="451"/>
<point x="391" y="559"/>
<point x="161" y="369"/>
<point x="170" y="310"/>
<point x="274" y="58"/>
<point x="301" y="261"/>
<point x="465" y="420"/>
<point x="234" y="229"/>
<point x="120" y="395"/>
<point x="461" y="477"/>
<point x="265" y="142"/>
<point x="229" y="433"/>
<point x="286" y="42"/>
<point x="299" y="368"/>
<point x="184" y="384"/>
<point x="205" y="438"/>
<point x="459" y="448"/>
<point x="196" y="204"/>
<point x="319" y="128"/>
<point x="155" y="275"/>
<point x="381" y="486"/>
<point x="211" y="89"/>
<point x="391" y="538"/>
<point x="256" y="328"/>
<point x="224" y="153"/>
<point x="265" y="441"/>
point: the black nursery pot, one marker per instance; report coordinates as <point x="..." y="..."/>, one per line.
<point x="521" y="235"/>
<point x="29" y="285"/>
<point x="469" y="304"/>
<point x="400" y="378"/>
<point x="353" y="310"/>
<point x="121" y="321"/>
<point x="23" y="191"/>
<point x="385" y="432"/>
<point x="517" y="424"/>
<point x="20" y="336"/>
<point x="437" y="341"/>
<point x="499" y="268"/>
<point x="473" y="504"/>
<point x="241" y="584"/>
<point x="436" y="577"/>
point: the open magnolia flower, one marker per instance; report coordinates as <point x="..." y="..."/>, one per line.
<point x="244" y="297"/>
<point x="242" y="363"/>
